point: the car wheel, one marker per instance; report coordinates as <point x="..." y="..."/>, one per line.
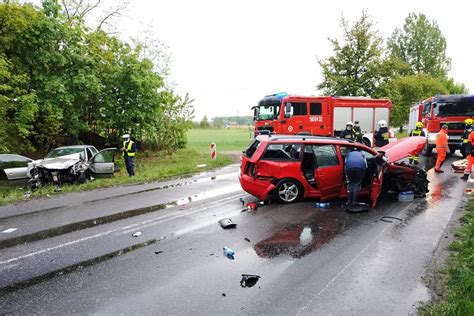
<point x="288" y="191"/>
<point x="427" y="150"/>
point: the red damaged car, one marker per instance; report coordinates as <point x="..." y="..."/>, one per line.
<point x="289" y="168"/>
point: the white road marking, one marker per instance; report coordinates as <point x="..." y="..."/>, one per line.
<point x="348" y="265"/>
<point x="153" y="221"/>
<point x="9" y="230"/>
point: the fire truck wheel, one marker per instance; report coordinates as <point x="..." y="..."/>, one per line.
<point x="427" y="150"/>
<point x="288" y="191"/>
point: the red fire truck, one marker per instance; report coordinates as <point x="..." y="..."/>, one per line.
<point x="436" y="111"/>
<point x="282" y="113"/>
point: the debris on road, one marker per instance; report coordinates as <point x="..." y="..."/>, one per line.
<point x="26" y="195"/>
<point x="406" y="196"/>
<point x="137" y="234"/>
<point x="249" y="280"/>
<point x="322" y="205"/>
<point x="229" y="253"/>
<point x="223" y="294"/>
<point x="158" y="252"/>
<point x="57" y="189"/>
<point x="387" y="219"/>
<point x="459" y="165"/>
<point x="246" y="239"/>
<point x="9" y="230"/>
<point x="252" y="206"/>
<point x="242" y="201"/>
<point x="201" y="165"/>
<point x="227" y="223"/>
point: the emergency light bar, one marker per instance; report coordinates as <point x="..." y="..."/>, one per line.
<point x="277" y="95"/>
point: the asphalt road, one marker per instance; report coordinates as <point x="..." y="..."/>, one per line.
<point x="310" y="261"/>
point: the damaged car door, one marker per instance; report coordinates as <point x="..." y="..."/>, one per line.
<point x="328" y="171"/>
<point x="13" y="167"/>
<point x="102" y="163"/>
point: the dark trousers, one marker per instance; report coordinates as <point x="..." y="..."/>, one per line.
<point x="130" y="166"/>
<point x="355" y="177"/>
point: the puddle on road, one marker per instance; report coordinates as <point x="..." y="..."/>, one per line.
<point x="298" y="240"/>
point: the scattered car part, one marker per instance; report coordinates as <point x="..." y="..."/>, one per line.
<point x="249" y="280"/>
<point x="246" y="239"/>
<point x="459" y="165"/>
<point x="387" y="219"/>
<point x="251" y="206"/>
<point x="227" y="223"/>
<point x="229" y="253"/>
<point x="158" y="252"/>
<point x="137" y="234"/>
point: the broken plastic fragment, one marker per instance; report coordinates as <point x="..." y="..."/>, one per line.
<point x="158" y="252"/>
<point x="249" y="280"/>
<point x="229" y="253"/>
<point x="246" y="239"/>
<point x="252" y="206"/>
<point x="242" y="201"/>
<point x="137" y="234"/>
<point x="201" y="165"/>
<point x="227" y="223"/>
<point x="26" y="195"/>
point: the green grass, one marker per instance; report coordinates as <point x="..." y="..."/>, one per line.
<point x="148" y="167"/>
<point x="231" y="139"/>
<point x="458" y="296"/>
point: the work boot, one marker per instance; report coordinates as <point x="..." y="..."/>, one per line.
<point x="465" y="176"/>
<point x="439" y="171"/>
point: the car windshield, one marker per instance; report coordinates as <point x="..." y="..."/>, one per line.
<point x="59" y="152"/>
<point x="461" y="107"/>
<point x="268" y="111"/>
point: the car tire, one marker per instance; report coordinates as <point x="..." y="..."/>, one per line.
<point x="427" y="150"/>
<point x="288" y="191"/>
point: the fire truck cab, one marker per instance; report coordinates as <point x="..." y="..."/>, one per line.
<point x="436" y="111"/>
<point x="282" y="113"/>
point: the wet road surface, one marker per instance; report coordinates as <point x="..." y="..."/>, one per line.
<point x="310" y="261"/>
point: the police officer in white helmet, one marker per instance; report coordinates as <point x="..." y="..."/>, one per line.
<point x="129" y="150"/>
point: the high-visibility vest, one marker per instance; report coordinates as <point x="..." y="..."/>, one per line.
<point x="416" y="132"/>
<point x="129" y="147"/>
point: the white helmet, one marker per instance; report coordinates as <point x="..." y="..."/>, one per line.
<point x="382" y="123"/>
<point x="126" y="136"/>
<point x="350" y="123"/>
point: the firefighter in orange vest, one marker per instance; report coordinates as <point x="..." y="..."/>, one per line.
<point x="441" y="147"/>
<point x="470" y="157"/>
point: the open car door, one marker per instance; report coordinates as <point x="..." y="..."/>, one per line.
<point x="376" y="186"/>
<point x="328" y="172"/>
<point x="102" y="163"/>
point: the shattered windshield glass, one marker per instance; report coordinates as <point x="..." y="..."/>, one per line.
<point x="59" y="152"/>
<point x="268" y="111"/>
<point x="461" y="107"/>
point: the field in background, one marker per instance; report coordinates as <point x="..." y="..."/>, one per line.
<point x="230" y="139"/>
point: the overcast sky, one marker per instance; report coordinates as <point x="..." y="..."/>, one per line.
<point x="229" y="54"/>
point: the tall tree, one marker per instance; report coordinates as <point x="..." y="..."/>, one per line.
<point x="354" y="69"/>
<point x="421" y="45"/>
<point x="404" y="91"/>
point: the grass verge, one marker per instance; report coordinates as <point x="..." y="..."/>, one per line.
<point x="148" y="167"/>
<point x="458" y="298"/>
<point x="231" y="139"/>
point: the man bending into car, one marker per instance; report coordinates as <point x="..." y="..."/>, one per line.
<point x="128" y="151"/>
<point x="356" y="165"/>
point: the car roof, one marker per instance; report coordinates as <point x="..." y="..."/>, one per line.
<point x="310" y="139"/>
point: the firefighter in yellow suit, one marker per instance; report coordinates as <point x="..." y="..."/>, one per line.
<point x="418" y="131"/>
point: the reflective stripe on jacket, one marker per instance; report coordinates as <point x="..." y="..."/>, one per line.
<point x="442" y="139"/>
<point x="129" y="148"/>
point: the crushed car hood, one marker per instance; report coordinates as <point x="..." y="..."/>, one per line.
<point x="403" y="148"/>
<point x="58" y="163"/>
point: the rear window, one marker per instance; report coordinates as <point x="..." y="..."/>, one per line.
<point x="282" y="152"/>
<point x="252" y="148"/>
<point x="325" y="156"/>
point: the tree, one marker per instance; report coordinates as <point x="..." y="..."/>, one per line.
<point x="204" y="122"/>
<point x="454" y="87"/>
<point x="421" y="45"/>
<point x="404" y="91"/>
<point x="355" y="69"/>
